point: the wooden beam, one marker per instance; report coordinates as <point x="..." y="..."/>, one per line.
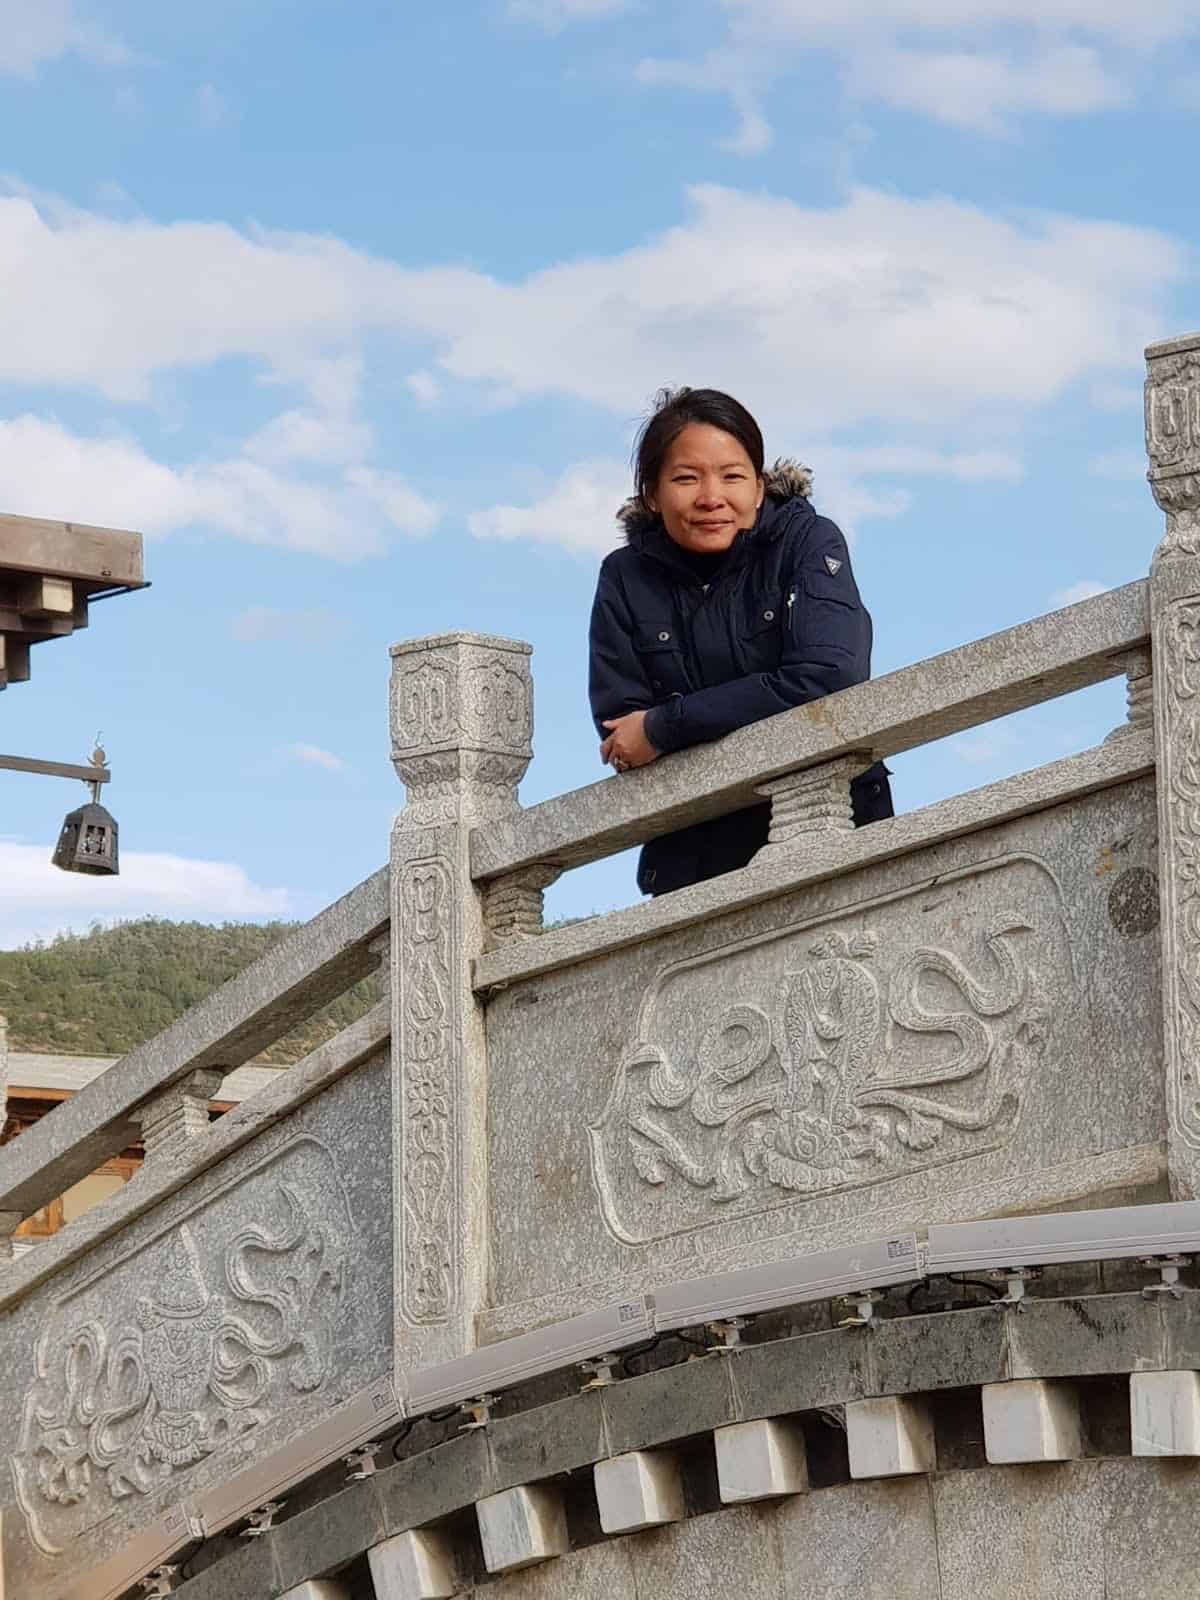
<point x="46" y="597"/>
<point x="102" y="557"/>
<point x="53" y="769"/>
<point x="35" y="629"/>
<point x="16" y="659"/>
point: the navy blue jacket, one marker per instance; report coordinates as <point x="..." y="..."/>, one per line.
<point x="780" y="623"/>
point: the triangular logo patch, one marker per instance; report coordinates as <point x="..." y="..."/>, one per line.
<point x="834" y="565"/>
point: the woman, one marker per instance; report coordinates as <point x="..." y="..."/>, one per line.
<point x="731" y="600"/>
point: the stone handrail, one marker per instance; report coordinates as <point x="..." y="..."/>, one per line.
<point x="975" y="683"/>
<point x="281" y="989"/>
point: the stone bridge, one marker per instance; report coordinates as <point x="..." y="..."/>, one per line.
<point x="823" y="1230"/>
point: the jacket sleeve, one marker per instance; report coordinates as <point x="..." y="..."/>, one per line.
<point x="617" y="682"/>
<point x="827" y="646"/>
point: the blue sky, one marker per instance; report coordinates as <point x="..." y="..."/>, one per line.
<point x="353" y="310"/>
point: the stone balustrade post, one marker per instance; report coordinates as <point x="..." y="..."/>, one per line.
<point x="1139" y="691"/>
<point x="1173" y="445"/>
<point x="814" y="802"/>
<point x="178" y="1115"/>
<point x="461" y="726"/>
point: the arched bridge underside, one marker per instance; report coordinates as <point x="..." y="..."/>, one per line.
<point x="935" y="1398"/>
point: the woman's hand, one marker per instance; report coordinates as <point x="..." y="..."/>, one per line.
<point x="627" y="745"/>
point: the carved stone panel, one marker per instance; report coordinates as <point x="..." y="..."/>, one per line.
<point x="861" y="1050"/>
<point x="1178" y="639"/>
<point x="427" y="1168"/>
<point x="1173" y="440"/>
<point x="161" y="1364"/>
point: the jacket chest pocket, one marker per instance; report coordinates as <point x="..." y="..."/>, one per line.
<point x="761" y="631"/>
<point x="659" y="646"/>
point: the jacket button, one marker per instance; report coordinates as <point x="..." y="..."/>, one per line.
<point x="663" y="637"/>
<point x="768" y="616"/>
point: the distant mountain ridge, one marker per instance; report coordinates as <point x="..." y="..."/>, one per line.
<point x="103" y="992"/>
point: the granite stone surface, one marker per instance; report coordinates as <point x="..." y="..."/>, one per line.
<point x="947" y="1350"/>
<point x="803" y="1374"/>
<point x="1095" y="1333"/>
<point x="863" y="1541"/>
<point x="329" y="1535"/>
<point x="1037" y="1532"/>
<point x="283" y="987"/>
<point x="975" y="1003"/>
<point x="435" y="1483"/>
<point x="780" y="871"/>
<point x="548" y="1440"/>
<point x="213" y="1329"/>
<point x="733" y="1552"/>
<point x="1151" y="1535"/>
<point x="668" y="1405"/>
<point x="461" y="722"/>
<point x="988" y="678"/>
<point x="600" y="1572"/>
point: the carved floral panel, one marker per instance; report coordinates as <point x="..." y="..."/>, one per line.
<point x="182" y="1350"/>
<point x="840" y="1054"/>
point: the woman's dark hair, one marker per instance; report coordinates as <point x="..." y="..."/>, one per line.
<point x="676" y="409"/>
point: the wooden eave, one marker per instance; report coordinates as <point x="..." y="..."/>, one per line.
<point x="48" y="573"/>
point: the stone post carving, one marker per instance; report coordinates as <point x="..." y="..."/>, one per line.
<point x="462" y="725"/>
<point x="513" y="905"/>
<point x="178" y="1115"/>
<point x="1173" y="444"/>
<point x="816" y="801"/>
<point x="1139" y="692"/>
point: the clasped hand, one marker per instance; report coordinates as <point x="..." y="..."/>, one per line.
<point x="627" y="744"/>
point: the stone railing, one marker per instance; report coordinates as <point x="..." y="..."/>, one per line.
<point x="962" y="1012"/>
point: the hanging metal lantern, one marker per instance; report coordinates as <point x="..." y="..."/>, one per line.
<point x="88" y="841"/>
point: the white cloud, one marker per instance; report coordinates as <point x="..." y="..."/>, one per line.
<point x="977" y="64"/>
<point x="40" y="901"/>
<point x="577" y="512"/>
<point x="556" y="14"/>
<point x="269" y="625"/>
<point x="313" y="756"/>
<point x="974" y="90"/>
<point x="310" y="436"/>
<point x="891" y="307"/>
<point x="899" y="313"/>
<point x="48" y="471"/>
<point x="33" y="32"/>
<point x="424" y="388"/>
<point x="1085" y="589"/>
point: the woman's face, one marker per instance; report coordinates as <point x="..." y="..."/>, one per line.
<point x="708" y="490"/>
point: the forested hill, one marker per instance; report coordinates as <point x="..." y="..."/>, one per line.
<point x="101" y="993"/>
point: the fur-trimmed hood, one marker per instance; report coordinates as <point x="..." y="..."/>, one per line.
<point x="786" y="480"/>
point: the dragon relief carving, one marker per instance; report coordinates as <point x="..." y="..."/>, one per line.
<point x="116" y="1412"/>
<point x="832" y="1090"/>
